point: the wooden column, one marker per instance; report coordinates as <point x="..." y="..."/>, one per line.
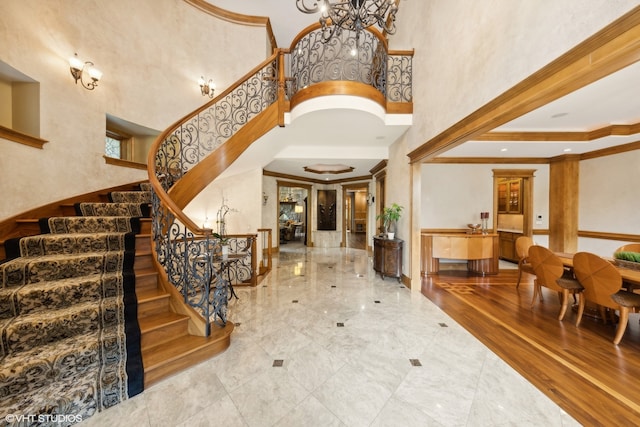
<point x="564" y="185"/>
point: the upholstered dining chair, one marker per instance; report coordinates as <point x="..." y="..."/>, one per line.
<point x="523" y="243"/>
<point x="551" y="274"/>
<point x="602" y="285"/>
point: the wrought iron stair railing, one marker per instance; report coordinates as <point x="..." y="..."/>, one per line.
<point x="186" y="251"/>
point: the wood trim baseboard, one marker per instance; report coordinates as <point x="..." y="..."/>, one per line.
<point x="609" y="236"/>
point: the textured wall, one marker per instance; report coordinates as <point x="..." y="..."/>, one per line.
<point x="609" y="191"/>
<point x="468" y="53"/>
<point x="151" y="52"/>
<point x="455" y="194"/>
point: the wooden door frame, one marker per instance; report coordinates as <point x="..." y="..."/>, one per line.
<point x="345" y="188"/>
<point x="308" y="213"/>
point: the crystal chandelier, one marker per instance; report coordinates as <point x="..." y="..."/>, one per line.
<point x="353" y="15"/>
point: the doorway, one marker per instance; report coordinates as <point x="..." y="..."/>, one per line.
<point x="356" y="213"/>
<point x="294" y="215"/>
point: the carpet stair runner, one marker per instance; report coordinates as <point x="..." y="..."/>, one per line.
<point x="70" y="339"/>
<point x="58" y="323"/>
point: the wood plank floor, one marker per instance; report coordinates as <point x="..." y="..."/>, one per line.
<point x="580" y="369"/>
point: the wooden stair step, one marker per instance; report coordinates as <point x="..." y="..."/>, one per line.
<point x="145" y="226"/>
<point x="143" y="242"/>
<point x="158" y="328"/>
<point x="146" y="279"/>
<point x="143" y="261"/>
<point x="173" y="356"/>
<point x="152" y="301"/>
<point x="67" y="209"/>
<point x="28" y="226"/>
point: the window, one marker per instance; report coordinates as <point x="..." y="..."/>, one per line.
<point x="112" y="146"/>
<point x="128" y="141"/>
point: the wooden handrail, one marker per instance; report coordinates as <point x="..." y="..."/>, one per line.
<point x="151" y="158"/>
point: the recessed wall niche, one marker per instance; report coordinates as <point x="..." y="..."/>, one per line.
<point x="19" y="107"/>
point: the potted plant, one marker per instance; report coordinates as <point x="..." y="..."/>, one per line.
<point x="390" y="216"/>
<point x="224" y="244"/>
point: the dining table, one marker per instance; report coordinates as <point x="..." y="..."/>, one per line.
<point x="630" y="278"/>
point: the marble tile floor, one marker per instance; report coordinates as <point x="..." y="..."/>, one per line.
<point x="359" y="374"/>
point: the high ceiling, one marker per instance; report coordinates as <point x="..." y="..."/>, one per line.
<point x="359" y="139"/>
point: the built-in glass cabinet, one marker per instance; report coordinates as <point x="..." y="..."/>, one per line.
<point x="510" y="196"/>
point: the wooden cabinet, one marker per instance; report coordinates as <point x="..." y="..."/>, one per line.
<point x="508" y="245"/>
<point x="479" y="250"/>
<point x="510" y="196"/>
<point x="387" y="257"/>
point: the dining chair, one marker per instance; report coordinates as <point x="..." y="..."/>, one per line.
<point x="523" y="243"/>
<point x="551" y="274"/>
<point x="602" y="285"/>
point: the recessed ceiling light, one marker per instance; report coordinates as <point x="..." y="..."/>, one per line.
<point x="503" y="149"/>
<point x="566" y="150"/>
<point x="555" y="116"/>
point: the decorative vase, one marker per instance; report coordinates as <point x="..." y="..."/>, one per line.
<point x="390" y="236"/>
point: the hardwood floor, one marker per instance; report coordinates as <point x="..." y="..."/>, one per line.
<point x="580" y="369"/>
<point x="357" y="240"/>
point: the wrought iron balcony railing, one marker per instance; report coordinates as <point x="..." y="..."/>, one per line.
<point x="345" y="57"/>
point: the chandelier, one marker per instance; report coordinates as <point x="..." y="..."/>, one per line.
<point x="353" y="15"/>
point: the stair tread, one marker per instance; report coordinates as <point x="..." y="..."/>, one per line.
<point x="150" y="295"/>
<point x="158" y="320"/>
<point x="146" y="272"/>
<point x="156" y="356"/>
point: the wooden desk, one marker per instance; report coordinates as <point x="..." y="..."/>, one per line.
<point x="479" y="250"/>
<point x="631" y="277"/>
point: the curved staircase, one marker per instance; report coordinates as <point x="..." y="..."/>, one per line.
<point x="68" y="294"/>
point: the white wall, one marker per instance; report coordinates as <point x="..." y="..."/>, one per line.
<point x="469" y="52"/>
<point x="453" y="195"/>
<point x="466" y="54"/>
<point x="151" y="52"/>
<point x="241" y="193"/>
<point x="609" y="199"/>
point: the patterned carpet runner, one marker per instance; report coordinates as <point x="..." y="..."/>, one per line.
<point x="69" y="334"/>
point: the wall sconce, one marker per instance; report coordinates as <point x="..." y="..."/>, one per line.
<point x="264" y="198"/>
<point x="78" y="69"/>
<point x="207" y="88"/>
<point x="370" y="199"/>
<point x="298" y="209"/>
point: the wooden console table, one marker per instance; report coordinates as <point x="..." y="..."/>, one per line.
<point x="387" y="257"/>
<point x="481" y="251"/>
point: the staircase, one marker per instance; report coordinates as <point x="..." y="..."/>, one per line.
<point x="165" y="343"/>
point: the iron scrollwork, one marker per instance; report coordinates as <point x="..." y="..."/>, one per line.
<point x="199" y="136"/>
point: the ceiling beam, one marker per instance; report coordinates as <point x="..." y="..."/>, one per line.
<point x="609" y="50"/>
